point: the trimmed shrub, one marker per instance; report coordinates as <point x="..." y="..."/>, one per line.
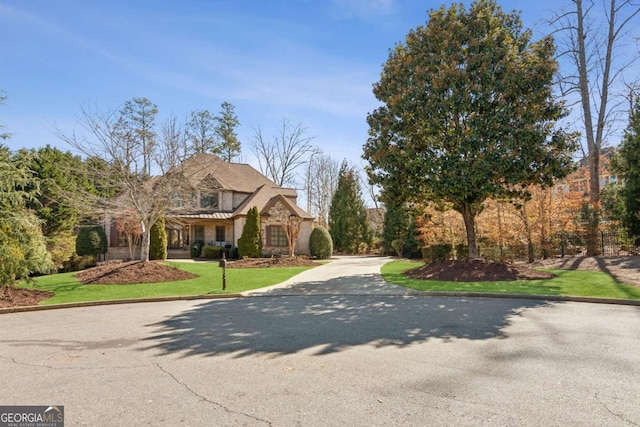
<point x="91" y="240"/>
<point x="213" y="251"/>
<point x="234" y="253"/>
<point x="398" y="246"/>
<point x="158" y="241"/>
<point x="320" y="243"/>
<point x="436" y="253"/>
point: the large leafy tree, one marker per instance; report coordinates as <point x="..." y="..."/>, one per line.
<point x="59" y="174"/>
<point x="468" y="113"/>
<point x="348" y="221"/>
<point x="22" y="245"/>
<point x="627" y="165"/>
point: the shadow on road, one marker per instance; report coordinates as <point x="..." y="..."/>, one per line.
<point x="328" y="323"/>
<point x="359" y="284"/>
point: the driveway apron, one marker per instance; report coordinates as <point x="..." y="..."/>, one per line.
<point x="343" y="275"/>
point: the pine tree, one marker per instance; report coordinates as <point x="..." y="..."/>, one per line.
<point x="225" y="131"/>
<point x="348" y="222"/>
<point x="627" y="165"/>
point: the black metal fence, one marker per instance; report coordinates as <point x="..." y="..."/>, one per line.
<point x="603" y="243"/>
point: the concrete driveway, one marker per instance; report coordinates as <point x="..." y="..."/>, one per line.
<point x="344" y="275"/>
<point x="328" y="360"/>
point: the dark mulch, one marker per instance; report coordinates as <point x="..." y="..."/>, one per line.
<point x="295" y="261"/>
<point x="132" y="272"/>
<point x="476" y="270"/>
<point x="19" y="297"/>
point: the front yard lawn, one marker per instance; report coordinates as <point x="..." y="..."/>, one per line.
<point x="68" y="289"/>
<point x="566" y="283"/>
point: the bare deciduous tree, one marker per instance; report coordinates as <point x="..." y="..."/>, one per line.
<point x="594" y="50"/>
<point x="321" y="180"/>
<point x="115" y="164"/>
<point x="279" y="157"/>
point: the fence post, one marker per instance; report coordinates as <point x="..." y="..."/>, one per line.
<point x="602" y="243"/>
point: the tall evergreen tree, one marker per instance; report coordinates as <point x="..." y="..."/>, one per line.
<point x="348" y="222"/>
<point x="626" y="164"/>
<point x="201" y="132"/>
<point x="137" y="124"/>
<point x="225" y="130"/>
<point x="158" y="240"/>
<point x="22" y="246"/>
<point x="399" y="223"/>
<point x="250" y="243"/>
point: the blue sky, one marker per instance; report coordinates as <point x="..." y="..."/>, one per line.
<point x="310" y="61"/>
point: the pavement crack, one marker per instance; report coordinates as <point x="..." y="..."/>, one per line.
<point x="619" y="416"/>
<point x="205" y="399"/>
<point x="67" y="368"/>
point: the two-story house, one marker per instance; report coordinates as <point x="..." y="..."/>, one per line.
<point x="213" y="210"/>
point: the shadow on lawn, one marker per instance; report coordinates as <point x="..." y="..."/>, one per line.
<point x="327" y="324"/>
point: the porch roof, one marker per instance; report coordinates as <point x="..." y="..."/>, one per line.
<point x="212" y="215"/>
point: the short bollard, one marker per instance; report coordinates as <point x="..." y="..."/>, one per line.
<point x="223" y="264"/>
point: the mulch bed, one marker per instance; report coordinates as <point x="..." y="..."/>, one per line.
<point x="20" y="297"/>
<point x="476" y="270"/>
<point x="132" y="272"/>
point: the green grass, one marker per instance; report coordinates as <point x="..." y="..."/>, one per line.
<point x="68" y="289"/>
<point x="567" y="283"/>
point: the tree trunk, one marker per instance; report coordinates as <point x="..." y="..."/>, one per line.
<point x="469" y="217"/>
<point x="145" y="242"/>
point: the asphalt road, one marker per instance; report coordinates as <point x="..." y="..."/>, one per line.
<point x="328" y="360"/>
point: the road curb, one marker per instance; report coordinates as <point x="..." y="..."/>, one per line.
<point x="553" y="298"/>
<point x="28" y="308"/>
<point x="410" y="293"/>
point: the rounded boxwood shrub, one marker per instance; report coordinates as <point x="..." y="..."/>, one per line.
<point x="211" y="251"/>
<point x="398" y="246"/>
<point x="320" y="243"/>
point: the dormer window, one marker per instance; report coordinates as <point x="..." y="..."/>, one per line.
<point x="209" y="200"/>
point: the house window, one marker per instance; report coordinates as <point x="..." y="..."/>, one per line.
<point x="276" y="236"/>
<point x="198" y="234"/>
<point x="220" y="236"/>
<point x="209" y="200"/>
